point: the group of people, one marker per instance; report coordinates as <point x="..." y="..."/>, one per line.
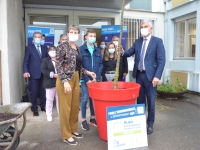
<point x="58" y="72"/>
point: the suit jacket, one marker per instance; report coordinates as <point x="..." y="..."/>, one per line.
<point x="154" y="60"/>
<point x="47" y="67"/>
<point x="32" y="61"/>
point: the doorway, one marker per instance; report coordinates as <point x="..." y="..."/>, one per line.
<point x="95" y="23"/>
<point x="58" y="23"/>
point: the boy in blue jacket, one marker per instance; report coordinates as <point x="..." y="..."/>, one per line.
<point x="91" y="61"/>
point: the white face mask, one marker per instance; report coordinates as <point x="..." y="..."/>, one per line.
<point x="144" y="31"/>
<point x="73" y="37"/>
<point x="116" y="43"/>
<point x="111" y="51"/>
<point x="52" y="53"/>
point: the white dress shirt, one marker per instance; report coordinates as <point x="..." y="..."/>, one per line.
<point x="147" y="43"/>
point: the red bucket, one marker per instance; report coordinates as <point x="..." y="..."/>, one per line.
<point x="103" y="96"/>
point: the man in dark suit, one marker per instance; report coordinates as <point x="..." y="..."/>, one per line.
<point x="149" y="63"/>
<point x="31" y="69"/>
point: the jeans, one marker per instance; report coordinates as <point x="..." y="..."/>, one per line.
<point x="84" y="100"/>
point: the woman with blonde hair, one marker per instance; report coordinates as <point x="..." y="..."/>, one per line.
<point x="69" y="69"/>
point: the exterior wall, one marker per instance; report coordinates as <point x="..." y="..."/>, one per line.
<point x="189" y="66"/>
<point x="178" y="2"/>
<point x="11" y="44"/>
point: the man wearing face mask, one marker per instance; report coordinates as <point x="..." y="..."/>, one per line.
<point x="92" y="61"/>
<point x="149" y="54"/>
<point x="31" y="69"/>
<point x="124" y="61"/>
<point x="63" y="38"/>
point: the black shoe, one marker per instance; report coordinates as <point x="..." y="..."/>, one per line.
<point x="35" y="113"/>
<point x="84" y="125"/>
<point x="43" y="109"/>
<point x="150" y="129"/>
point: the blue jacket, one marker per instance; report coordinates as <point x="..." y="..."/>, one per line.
<point x="87" y="62"/>
<point x="154" y="60"/>
<point x="32" y="61"/>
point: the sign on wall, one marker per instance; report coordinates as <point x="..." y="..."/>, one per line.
<point x="108" y="31"/>
<point x="126" y="127"/>
<point x="48" y="32"/>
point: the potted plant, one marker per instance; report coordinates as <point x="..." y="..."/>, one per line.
<point x="106" y="94"/>
<point x="170" y="90"/>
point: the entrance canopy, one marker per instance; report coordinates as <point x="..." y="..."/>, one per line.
<point x="98" y="5"/>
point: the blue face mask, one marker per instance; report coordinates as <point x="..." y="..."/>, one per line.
<point x="103" y="46"/>
<point x="42" y="42"/>
<point x="111" y="51"/>
<point x="91" y="40"/>
<point x="37" y="41"/>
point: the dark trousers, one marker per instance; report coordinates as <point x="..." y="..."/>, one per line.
<point x="36" y="87"/>
<point x="147" y="91"/>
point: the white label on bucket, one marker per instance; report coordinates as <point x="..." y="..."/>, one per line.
<point x="126" y="127"/>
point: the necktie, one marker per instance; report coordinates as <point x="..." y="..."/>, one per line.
<point x="38" y="49"/>
<point x="141" y="66"/>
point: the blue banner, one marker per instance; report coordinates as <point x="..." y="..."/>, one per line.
<point x="108" y="31"/>
<point x="48" y="32"/>
<point x="119" y="112"/>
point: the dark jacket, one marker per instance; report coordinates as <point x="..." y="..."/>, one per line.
<point x="32" y="61"/>
<point x="47" y="69"/>
<point x="154" y="60"/>
<point x="123" y="68"/>
<point x="87" y="62"/>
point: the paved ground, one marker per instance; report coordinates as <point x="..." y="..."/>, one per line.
<point x="177" y="127"/>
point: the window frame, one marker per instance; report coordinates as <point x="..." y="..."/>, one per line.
<point x="185" y="19"/>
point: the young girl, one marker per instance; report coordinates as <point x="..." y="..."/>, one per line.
<point x="109" y="64"/>
<point x="49" y="72"/>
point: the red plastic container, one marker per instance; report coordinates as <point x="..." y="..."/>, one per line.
<point x="103" y="95"/>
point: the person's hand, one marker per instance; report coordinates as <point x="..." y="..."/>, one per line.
<point x="26" y="75"/>
<point x="155" y="81"/>
<point x="124" y="74"/>
<point x="55" y="75"/>
<point x="67" y="88"/>
<point x="92" y="74"/>
<point x="94" y="80"/>
<point x="89" y="82"/>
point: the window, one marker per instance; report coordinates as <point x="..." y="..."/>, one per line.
<point x="185" y="38"/>
<point x="133" y="30"/>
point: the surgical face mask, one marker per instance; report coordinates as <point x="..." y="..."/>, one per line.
<point x="111" y="51"/>
<point x="52" y="53"/>
<point x="37" y="41"/>
<point x="64" y="41"/>
<point x="42" y="42"/>
<point x="144" y="31"/>
<point x="116" y="43"/>
<point x="102" y="46"/>
<point x="91" y="40"/>
<point x="73" y="37"/>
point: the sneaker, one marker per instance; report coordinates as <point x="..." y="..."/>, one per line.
<point x="84" y="125"/>
<point x="49" y="118"/>
<point x="70" y="143"/>
<point x="77" y="135"/>
<point x="93" y="122"/>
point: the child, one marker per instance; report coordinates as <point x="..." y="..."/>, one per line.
<point x="109" y="64"/>
<point x="91" y="61"/>
<point x="49" y="72"/>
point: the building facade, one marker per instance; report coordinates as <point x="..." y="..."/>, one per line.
<point x="182" y="25"/>
<point x="17" y="15"/>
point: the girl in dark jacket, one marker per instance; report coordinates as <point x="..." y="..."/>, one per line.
<point x="109" y="64"/>
<point x="49" y="72"/>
